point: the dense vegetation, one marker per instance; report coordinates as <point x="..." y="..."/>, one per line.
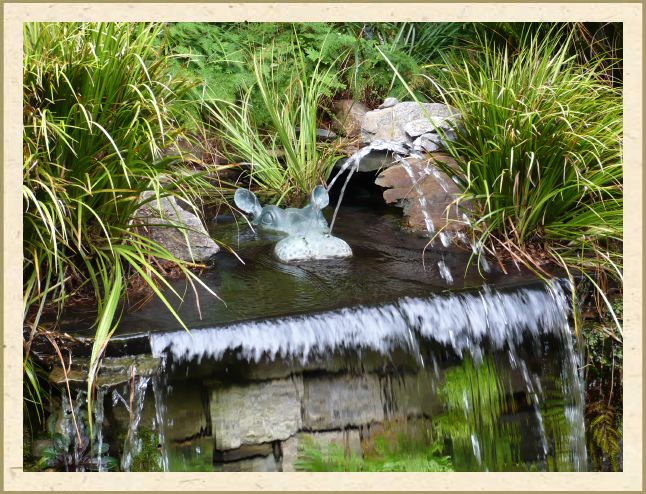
<point x="110" y="108"/>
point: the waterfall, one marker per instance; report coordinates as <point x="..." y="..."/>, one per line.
<point x="504" y="332"/>
<point x="132" y="445"/>
<point x="159" y="387"/>
<point x="99" y="416"/>
<point x="352" y="165"/>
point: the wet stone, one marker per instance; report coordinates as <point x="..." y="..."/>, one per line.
<point x="243" y="452"/>
<point x="340" y="401"/>
<point x="257" y="464"/>
<point x="412" y="395"/>
<point x="187" y="413"/>
<point x="113" y="371"/>
<point x="429" y="185"/>
<point x="256" y="413"/>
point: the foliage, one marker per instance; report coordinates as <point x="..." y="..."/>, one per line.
<point x="72" y="450"/>
<point x="288" y="162"/>
<point x="149" y="458"/>
<point x="61" y="456"/>
<point x="475" y="397"/>
<point x="219" y="56"/>
<point x="100" y="127"/>
<point x="587" y="41"/>
<point x="538" y="152"/>
<point x="33" y="391"/>
<point x="406" y="455"/>
<point x="426" y="41"/>
<point x="603" y="375"/>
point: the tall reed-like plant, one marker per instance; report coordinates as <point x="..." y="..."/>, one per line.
<point x="539" y="154"/>
<point x="285" y="159"/>
<point x="100" y="127"/>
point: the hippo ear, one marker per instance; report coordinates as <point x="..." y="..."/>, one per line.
<point x="247" y="202"/>
<point x="320" y="197"/>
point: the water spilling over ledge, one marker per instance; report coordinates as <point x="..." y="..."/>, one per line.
<point x="459" y="321"/>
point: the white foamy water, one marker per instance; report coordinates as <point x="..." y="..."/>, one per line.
<point x="461" y="321"/>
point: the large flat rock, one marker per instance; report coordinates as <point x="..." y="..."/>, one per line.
<point x="335" y="402"/>
<point x="256" y="413"/>
<point x="391" y="124"/>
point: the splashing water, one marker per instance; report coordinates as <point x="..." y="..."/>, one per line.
<point x="132" y="445"/>
<point x="473" y="326"/>
<point x="445" y="272"/>
<point x="159" y="386"/>
<point x="352" y="165"/>
<point x="99" y="415"/>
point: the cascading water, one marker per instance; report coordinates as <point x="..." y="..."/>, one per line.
<point x="132" y="445"/>
<point x="501" y="331"/>
<point x="159" y="385"/>
<point x="355" y="352"/>
<point x="352" y="163"/>
<point x="99" y="416"/>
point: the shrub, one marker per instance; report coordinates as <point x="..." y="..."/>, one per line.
<point x="219" y="58"/>
<point x="539" y="155"/>
<point x="287" y="162"/>
<point x="100" y="127"/>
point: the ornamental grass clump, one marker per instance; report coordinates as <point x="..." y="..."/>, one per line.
<point x="284" y="158"/>
<point x="539" y="155"/>
<point x="100" y="127"/>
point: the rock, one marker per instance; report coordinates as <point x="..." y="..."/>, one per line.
<point x="348" y="115"/>
<point x="340" y="401"/>
<point x="166" y="223"/>
<point x="413" y="395"/>
<point x="256" y="413"/>
<point x="322" y="135"/>
<point x="187" y="413"/>
<point x="388" y="102"/>
<point x="312" y="246"/>
<point x="113" y="371"/>
<point x="349" y="441"/>
<point x="421" y="126"/>
<point x="425" y="143"/>
<point x="393" y="123"/>
<point x="257" y="464"/>
<point x="373" y="161"/>
<point x="438" y="193"/>
<point x="243" y="452"/>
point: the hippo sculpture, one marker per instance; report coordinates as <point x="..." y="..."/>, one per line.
<point x="308" y="235"/>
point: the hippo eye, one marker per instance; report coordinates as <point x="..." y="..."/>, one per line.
<point x="268" y="219"/>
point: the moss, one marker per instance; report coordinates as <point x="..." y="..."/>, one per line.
<point x="149" y="458"/>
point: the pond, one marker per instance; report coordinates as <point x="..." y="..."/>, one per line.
<point x="398" y="358"/>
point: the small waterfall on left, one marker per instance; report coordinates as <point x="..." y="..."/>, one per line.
<point x="132" y="445"/>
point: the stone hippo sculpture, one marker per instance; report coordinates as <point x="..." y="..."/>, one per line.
<point x="308" y="235"/>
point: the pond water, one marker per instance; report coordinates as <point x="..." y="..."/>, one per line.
<point x="374" y="362"/>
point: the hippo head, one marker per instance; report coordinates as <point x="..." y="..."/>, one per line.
<point x="289" y="220"/>
<point x="308" y="235"/>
